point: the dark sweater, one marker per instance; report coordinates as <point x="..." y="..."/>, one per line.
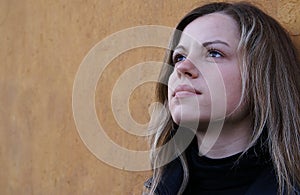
<point x="251" y="174"/>
<point x="230" y="175"/>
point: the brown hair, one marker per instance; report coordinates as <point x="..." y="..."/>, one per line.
<point x="270" y="85"/>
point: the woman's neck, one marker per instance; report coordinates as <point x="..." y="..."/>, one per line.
<point x="221" y="140"/>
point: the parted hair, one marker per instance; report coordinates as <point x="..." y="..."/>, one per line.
<point x="270" y="85"/>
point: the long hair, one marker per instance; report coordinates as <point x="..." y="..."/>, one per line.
<point x="270" y="85"/>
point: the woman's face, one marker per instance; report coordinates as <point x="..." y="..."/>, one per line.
<point x="206" y="82"/>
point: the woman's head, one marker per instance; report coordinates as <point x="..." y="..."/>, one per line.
<point x="206" y="74"/>
<point x="262" y="45"/>
<point x="265" y="68"/>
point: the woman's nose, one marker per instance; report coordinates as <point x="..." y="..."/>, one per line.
<point x="187" y="69"/>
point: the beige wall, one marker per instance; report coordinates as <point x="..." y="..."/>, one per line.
<point x="42" y="46"/>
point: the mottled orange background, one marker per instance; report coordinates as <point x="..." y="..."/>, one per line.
<point x="42" y="46"/>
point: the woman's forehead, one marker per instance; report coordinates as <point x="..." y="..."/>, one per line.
<point x="211" y="27"/>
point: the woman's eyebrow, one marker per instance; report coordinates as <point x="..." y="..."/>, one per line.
<point x="205" y="44"/>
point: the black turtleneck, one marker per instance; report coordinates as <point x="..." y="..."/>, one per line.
<point x="231" y="175"/>
<point x="249" y="174"/>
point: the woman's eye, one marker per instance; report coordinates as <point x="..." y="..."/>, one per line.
<point x="179" y="58"/>
<point x="215" y="54"/>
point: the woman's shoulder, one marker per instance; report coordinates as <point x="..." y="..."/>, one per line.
<point x="267" y="183"/>
<point x="171" y="179"/>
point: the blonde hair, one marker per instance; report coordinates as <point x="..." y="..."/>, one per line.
<point x="270" y="86"/>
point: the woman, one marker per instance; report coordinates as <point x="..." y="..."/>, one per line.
<point x="233" y="97"/>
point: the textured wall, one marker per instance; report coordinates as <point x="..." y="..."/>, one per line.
<point x="42" y="46"/>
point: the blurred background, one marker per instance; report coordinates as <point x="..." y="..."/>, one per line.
<point x="42" y="46"/>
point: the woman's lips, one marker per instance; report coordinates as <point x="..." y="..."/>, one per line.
<point x="185" y="90"/>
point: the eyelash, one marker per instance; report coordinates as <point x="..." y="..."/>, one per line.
<point x="211" y="52"/>
<point x="176" y="58"/>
